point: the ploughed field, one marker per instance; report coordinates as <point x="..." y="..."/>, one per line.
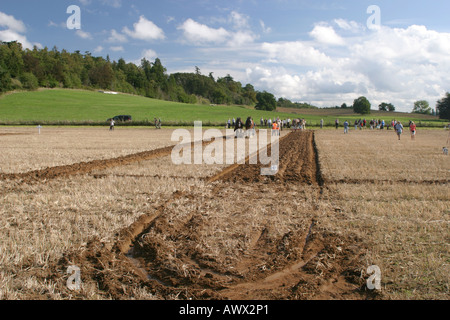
<point x="137" y="226"/>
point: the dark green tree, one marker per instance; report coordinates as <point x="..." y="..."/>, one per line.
<point x="12" y="58"/>
<point x="266" y="101"/>
<point x="361" y="106"/>
<point x="219" y="96"/>
<point x="443" y="107"/>
<point x="249" y="93"/>
<point x="158" y="73"/>
<point x="5" y="80"/>
<point x="101" y="76"/>
<point x="29" y="81"/>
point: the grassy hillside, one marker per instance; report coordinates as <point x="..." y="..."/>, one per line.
<point x="59" y="106"/>
<point x="50" y="106"/>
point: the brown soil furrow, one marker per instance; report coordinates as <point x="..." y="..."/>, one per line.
<point x="297" y="163"/>
<point x="13" y="134"/>
<point x="144" y="176"/>
<point x="232" y="170"/>
<point x="88" y="167"/>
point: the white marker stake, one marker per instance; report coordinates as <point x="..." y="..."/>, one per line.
<point x="39" y="129"/>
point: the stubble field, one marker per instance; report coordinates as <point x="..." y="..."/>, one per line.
<point x="140" y="227"/>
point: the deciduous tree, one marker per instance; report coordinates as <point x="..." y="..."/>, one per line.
<point x="361" y="106"/>
<point x="443" y="107"/>
<point x="422" y="107"/>
<point x="266" y="101"/>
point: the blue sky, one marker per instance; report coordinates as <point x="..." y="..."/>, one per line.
<point x="321" y="52"/>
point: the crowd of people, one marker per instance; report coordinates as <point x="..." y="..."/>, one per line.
<point x="373" y="124"/>
<point x="275" y="124"/>
<point x="269" y="123"/>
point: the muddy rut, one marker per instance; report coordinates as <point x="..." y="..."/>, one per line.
<point x="170" y="258"/>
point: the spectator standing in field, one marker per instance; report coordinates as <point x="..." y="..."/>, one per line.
<point x="157" y="123"/>
<point x="229" y="124"/>
<point x="111" y="125"/>
<point x="412" y="129"/>
<point x="336" y="122"/>
<point x="398" y="129"/>
<point x="275" y="129"/>
<point x="321" y="123"/>
<point x="346" y="124"/>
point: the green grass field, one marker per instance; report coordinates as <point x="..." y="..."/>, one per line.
<point x="78" y="107"/>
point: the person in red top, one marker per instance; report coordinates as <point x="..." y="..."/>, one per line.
<point x="413" y="130"/>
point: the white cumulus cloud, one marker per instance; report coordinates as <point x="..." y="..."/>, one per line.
<point x="236" y="32"/>
<point x="198" y="33"/>
<point x="12" y="23"/>
<point x="145" y="30"/>
<point x="13" y="30"/>
<point x="327" y="35"/>
<point x="295" y="53"/>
